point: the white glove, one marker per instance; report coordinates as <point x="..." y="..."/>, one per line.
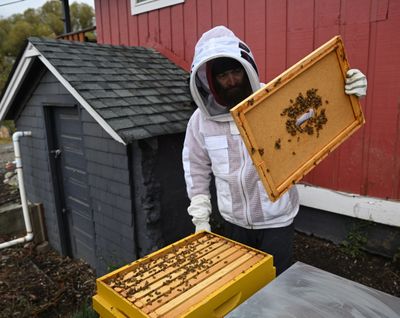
<point x="200" y="210"/>
<point x="356" y="83"/>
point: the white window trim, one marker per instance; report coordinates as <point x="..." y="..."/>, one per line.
<point x="149" y="5"/>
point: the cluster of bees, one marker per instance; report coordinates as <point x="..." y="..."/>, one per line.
<point x="310" y="103"/>
<point x="160" y="276"/>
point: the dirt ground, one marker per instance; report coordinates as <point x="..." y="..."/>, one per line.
<point x="46" y="284"/>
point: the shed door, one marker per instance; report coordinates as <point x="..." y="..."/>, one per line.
<point x="70" y="166"/>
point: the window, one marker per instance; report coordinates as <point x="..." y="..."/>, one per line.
<point x="140" y="6"/>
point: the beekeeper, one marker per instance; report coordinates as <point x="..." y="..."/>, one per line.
<point x="223" y="73"/>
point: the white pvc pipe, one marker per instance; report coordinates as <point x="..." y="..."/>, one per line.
<point x="29" y="234"/>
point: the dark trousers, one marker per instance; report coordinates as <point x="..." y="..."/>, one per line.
<point x="275" y="241"/>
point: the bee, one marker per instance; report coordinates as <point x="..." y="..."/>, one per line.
<point x="278" y="144"/>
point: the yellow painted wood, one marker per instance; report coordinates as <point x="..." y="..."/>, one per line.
<point x="209" y="283"/>
<point x="261" y="123"/>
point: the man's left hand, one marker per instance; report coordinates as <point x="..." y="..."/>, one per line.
<point x="356" y="83"/>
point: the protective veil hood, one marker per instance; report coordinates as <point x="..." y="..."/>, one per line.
<point x="218" y="42"/>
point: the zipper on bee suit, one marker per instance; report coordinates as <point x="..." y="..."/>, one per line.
<point x="242" y="183"/>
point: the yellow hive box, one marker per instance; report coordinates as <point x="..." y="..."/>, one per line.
<point x="202" y="275"/>
<point x="297" y="119"/>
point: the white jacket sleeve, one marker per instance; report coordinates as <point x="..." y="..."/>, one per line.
<point x="197" y="170"/>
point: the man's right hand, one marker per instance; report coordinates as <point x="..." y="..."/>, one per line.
<point x="200" y="210"/>
<point x="204" y="226"/>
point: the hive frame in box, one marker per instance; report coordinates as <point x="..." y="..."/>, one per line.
<point x="224" y="285"/>
<point x="282" y="159"/>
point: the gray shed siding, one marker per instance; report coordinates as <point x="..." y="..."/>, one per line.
<point x="160" y="192"/>
<point x="34" y="151"/>
<point x="108" y="177"/>
<point x="109" y="182"/>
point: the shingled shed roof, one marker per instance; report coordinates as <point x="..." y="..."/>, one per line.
<point x="133" y="92"/>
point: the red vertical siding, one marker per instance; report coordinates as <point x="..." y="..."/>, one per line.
<point x="122" y="19"/>
<point x="280" y="33"/>
<point x="165" y="28"/>
<point x="133" y="26"/>
<point x="300" y="29"/>
<point x="276" y="17"/>
<point x="382" y="172"/>
<point x="154" y="26"/>
<point x="143" y="28"/>
<point x="236" y="19"/>
<point x="105" y="28"/>
<point x="326" y="25"/>
<point x="219" y="12"/>
<point x="178" y="46"/>
<point x="114" y="19"/>
<point x="204" y="16"/>
<point x="254" y="32"/>
<point x="355" y="32"/>
<point x="190" y="28"/>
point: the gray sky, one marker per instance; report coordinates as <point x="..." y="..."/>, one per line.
<point x="21" y="6"/>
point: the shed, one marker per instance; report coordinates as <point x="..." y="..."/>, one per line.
<point x="104" y="157"/>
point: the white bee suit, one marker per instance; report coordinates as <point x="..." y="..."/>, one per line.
<point x="213" y="145"/>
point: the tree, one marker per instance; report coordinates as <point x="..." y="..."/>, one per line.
<point x="45" y="21"/>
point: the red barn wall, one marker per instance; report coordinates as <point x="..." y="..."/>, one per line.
<point x="280" y="33"/>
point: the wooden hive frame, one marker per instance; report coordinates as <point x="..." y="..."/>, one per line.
<point x="180" y="279"/>
<point x="282" y="158"/>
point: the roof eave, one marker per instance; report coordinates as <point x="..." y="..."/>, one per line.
<point x="17" y="78"/>
<point x="21" y="71"/>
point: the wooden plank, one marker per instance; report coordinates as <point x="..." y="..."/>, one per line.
<point x="276" y="38"/>
<point x="165" y="28"/>
<point x="355" y="31"/>
<point x="114" y="22"/>
<point x="177" y="35"/>
<point x="143" y="266"/>
<point x="106" y="21"/>
<point x="174" y="270"/>
<point x="188" y="277"/>
<point x="133" y="27"/>
<point x="176" y="312"/>
<point x="206" y="282"/>
<point x="236" y="17"/>
<point x="326" y="26"/>
<point x="143" y="28"/>
<point x="123" y="22"/>
<point x="300" y="32"/>
<point x="99" y="21"/>
<point x="255" y="33"/>
<point x="190" y="29"/>
<point x="382" y="174"/>
<point x="219" y="12"/>
<point x="154" y="26"/>
<point x="204" y="19"/>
